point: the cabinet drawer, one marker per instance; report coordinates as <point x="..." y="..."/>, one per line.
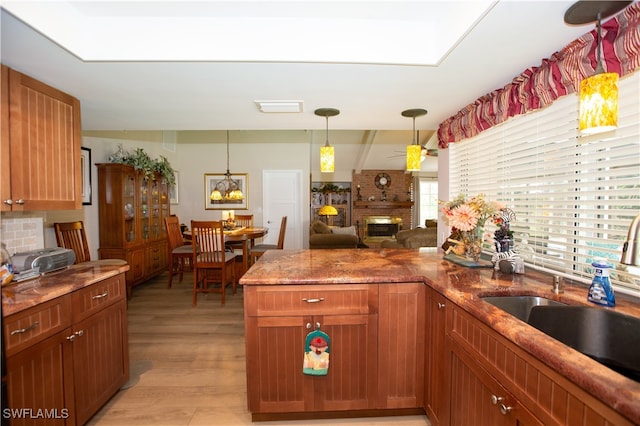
<point x="91" y="299"/>
<point x="33" y="325"/>
<point x="311" y="299"/>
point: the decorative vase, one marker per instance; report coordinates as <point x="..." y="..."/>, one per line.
<point x="473" y="243"/>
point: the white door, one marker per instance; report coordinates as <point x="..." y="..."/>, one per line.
<point x="282" y="196"/>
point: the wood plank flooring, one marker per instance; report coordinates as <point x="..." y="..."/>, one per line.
<point x="188" y="364"/>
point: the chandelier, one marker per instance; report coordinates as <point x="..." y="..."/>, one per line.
<point x="227" y="189"/>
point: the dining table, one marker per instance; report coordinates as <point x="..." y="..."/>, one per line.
<point x="247" y="236"/>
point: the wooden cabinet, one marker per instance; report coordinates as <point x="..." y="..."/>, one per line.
<point x="401" y="345"/>
<point x="485" y="365"/>
<point x="132" y="212"/>
<point x="41" y="142"/>
<point x="436" y="383"/>
<point x="68" y="356"/>
<point x="336" y="194"/>
<point x="277" y="321"/>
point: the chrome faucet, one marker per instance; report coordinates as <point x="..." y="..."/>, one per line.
<point x="631" y="248"/>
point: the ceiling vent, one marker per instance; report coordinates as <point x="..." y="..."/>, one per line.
<point x="279" y="106"/>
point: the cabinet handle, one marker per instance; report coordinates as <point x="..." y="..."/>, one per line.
<point x="24" y="330"/>
<point x="441" y="305"/>
<point x="100" y="296"/>
<point x="320" y="299"/>
<point x="74" y="335"/>
<point x="8" y="201"/>
<point x="505" y="409"/>
<point x="309" y="326"/>
<point x="495" y="399"/>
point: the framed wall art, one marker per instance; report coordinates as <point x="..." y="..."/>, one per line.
<point x="225" y="185"/>
<point x="85" y="169"/>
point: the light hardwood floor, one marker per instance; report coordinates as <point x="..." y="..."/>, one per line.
<point x="188" y="364"/>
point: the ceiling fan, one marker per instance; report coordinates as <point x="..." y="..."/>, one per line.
<point x="425" y="152"/>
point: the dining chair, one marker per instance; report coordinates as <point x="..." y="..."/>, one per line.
<point x="211" y="262"/>
<point x="259" y="249"/>
<point x="245" y="220"/>
<point x="180" y="252"/>
<point x="71" y="235"/>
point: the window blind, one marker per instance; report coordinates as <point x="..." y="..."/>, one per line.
<point x="574" y="196"/>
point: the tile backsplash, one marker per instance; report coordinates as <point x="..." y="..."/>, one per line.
<point x="22" y="234"/>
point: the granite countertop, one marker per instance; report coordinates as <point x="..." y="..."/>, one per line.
<point x="465" y="287"/>
<point x="19" y="296"/>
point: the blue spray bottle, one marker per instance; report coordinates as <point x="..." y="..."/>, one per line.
<point x="600" y="291"/>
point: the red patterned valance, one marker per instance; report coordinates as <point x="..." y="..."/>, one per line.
<point x="557" y="76"/>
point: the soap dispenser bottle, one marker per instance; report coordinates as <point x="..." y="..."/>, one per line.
<point x="600" y="291"/>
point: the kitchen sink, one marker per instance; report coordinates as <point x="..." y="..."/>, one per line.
<point x="609" y="337"/>
<point x="520" y="306"/>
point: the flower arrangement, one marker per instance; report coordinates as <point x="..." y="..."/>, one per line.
<point x="467" y="218"/>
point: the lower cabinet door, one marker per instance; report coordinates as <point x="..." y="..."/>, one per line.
<point x="478" y="399"/>
<point x="101" y="359"/>
<point x="275" y="356"/>
<point x="38" y="383"/>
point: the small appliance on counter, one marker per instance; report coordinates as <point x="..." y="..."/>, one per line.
<point x="46" y="259"/>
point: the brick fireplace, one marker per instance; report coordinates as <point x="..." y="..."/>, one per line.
<point x="397" y="207"/>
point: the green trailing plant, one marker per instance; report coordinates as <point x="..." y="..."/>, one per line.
<point x="141" y="161"/>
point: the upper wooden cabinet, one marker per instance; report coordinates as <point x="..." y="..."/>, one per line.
<point x="40" y="145"/>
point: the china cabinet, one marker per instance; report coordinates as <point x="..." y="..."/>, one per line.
<point x="41" y="141"/>
<point x="132" y="211"/>
<point x="336" y="194"/>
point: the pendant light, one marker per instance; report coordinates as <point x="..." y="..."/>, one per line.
<point x="227" y="189"/>
<point x="598" y="93"/>
<point x="414" y="150"/>
<point x="327" y="153"/>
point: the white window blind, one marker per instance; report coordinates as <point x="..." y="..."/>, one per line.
<point x="574" y="197"/>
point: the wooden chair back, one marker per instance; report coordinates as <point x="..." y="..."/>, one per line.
<point x="174" y="234"/>
<point x="283" y="228"/>
<point x="245" y="220"/>
<point x="208" y="243"/>
<point x="71" y="235"/>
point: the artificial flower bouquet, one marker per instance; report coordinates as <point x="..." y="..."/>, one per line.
<point x="467" y="218"/>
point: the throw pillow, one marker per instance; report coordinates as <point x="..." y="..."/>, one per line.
<point x="430" y="223"/>
<point x="347" y="230"/>
<point x="320" y="227"/>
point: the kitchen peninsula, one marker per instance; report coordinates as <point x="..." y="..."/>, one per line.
<point x="407" y="331"/>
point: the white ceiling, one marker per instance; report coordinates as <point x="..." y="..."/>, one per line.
<point x="152" y="65"/>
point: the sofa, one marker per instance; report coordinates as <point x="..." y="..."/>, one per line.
<point x="414" y="238"/>
<point x="322" y="236"/>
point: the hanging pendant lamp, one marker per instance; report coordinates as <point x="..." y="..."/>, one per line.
<point x="414" y="150"/>
<point x="327" y="153"/>
<point x="598" y="93"/>
<point x="227" y="189"/>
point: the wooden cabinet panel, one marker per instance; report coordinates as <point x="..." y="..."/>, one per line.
<point x="94" y="298"/>
<point x="44" y="147"/>
<point x="480" y="400"/>
<point x="101" y="358"/>
<point x="275" y="339"/>
<point x="5" y="152"/>
<point x="401" y="345"/>
<point x="41" y="378"/>
<point x="74" y="360"/>
<point x="29" y="327"/>
<point x="553" y="398"/>
<point x="436" y="383"/>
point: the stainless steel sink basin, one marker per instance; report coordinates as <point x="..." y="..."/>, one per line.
<point x="520" y="306"/>
<point x="611" y="338"/>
